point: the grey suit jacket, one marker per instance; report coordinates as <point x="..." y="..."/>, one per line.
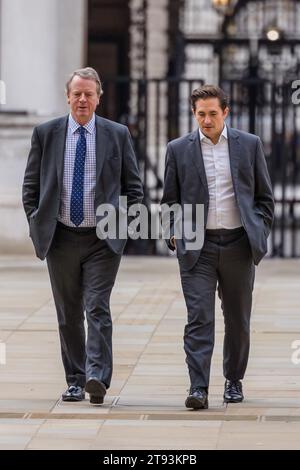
<point x="116" y="174"/>
<point x="185" y="183"/>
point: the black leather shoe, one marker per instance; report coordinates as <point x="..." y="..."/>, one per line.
<point x="233" y="391"/>
<point x="197" y="399"/>
<point x="73" y="393"/>
<point x="96" y="389"/>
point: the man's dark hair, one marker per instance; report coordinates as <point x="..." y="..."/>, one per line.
<point x="209" y="91"/>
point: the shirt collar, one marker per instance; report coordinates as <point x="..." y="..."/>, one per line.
<point x="89" y="126"/>
<point x="224" y="134"/>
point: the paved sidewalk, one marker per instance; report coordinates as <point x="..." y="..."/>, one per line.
<point x="144" y="408"/>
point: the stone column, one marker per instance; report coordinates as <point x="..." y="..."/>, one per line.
<point x="41" y="43"/>
<point x="157" y="38"/>
<point x="157" y="67"/>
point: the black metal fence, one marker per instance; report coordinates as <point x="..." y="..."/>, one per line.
<point x="158" y="110"/>
<point x="155" y="112"/>
<point x="267" y="109"/>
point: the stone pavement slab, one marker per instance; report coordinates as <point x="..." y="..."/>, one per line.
<point x="144" y="408"/>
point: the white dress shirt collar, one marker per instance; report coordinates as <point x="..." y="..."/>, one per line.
<point x="89" y="126"/>
<point x="204" y="138"/>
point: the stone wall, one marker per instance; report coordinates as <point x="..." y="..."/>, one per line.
<point x="15" y="135"/>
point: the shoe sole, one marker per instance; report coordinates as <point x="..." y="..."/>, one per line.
<point x="232" y="400"/>
<point x="71" y="399"/>
<point x="96" y="390"/>
<point x="195" y="404"/>
<point x="96" y="400"/>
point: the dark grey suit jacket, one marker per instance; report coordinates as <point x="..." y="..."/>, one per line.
<point x="185" y="183"/>
<point x="116" y="174"/>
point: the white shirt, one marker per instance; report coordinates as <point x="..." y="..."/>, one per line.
<point x="223" y="211"/>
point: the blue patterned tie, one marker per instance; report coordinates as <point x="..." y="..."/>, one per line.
<point x="76" y="209"/>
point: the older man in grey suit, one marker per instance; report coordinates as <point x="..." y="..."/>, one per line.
<point x="224" y="170"/>
<point x="76" y="163"/>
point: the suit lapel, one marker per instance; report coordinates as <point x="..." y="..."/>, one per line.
<point x="234" y="155"/>
<point x="197" y="157"/>
<point x="102" y="141"/>
<point x="59" y="148"/>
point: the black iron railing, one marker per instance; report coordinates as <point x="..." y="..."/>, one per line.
<point x="158" y="110"/>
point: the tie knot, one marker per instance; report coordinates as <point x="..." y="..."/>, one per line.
<point x="82" y="131"/>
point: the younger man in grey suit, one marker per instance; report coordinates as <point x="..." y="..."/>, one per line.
<point x="225" y="170"/>
<point x="75" y="164"/>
